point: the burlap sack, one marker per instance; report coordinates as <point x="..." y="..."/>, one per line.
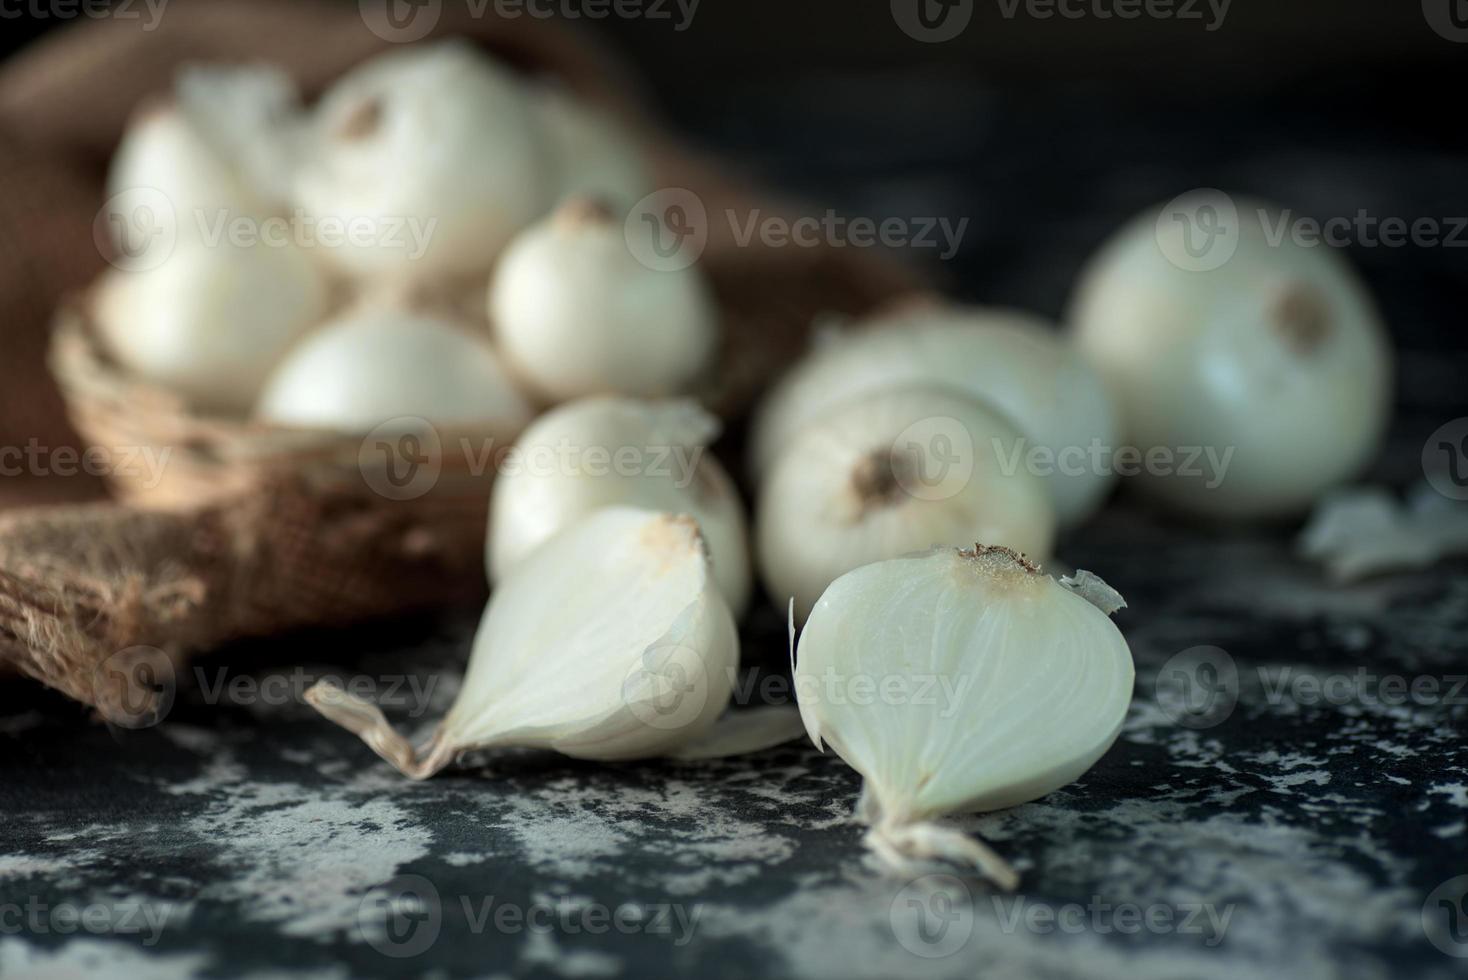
<point x="82" y="586"/>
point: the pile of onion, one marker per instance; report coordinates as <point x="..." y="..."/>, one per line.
<point x="910" y="473"/>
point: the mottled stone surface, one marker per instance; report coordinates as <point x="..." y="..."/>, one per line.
<point x="1297" y="833"/>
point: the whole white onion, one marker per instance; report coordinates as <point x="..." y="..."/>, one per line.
<point x="163" y="151"/>
<point x="577" y="314"/>
<point x="211" y="323"/>
<point x="435" y="143"/>
<point x="887" y="473"/>
<point x="222" y="148"/>
<point x="1274" y="364"/>
<point x="1012" y="361"/>
<point x="371" y="366"/>
<point x="567" y="466"/>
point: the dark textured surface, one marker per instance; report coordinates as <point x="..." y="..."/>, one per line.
<point x="1297" y="836"/>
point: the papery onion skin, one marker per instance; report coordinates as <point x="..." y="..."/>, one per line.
<point x="1041" y="682"/>
<point x="544" y="493"/>
<point x="1278" y="356"/>
<point x="1015" y="362"/>
<point x="818" y="517"/>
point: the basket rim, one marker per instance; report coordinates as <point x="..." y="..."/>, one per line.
<point x="85" y="371"/>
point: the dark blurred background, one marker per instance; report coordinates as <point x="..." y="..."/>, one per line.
<point x="1046" y="125"/>
<point x="1046" y="131"/>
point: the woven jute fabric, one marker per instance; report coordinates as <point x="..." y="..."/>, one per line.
<point x="274" y="540"/>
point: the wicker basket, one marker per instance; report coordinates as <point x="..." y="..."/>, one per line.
<point x="252" y="530"/>
<point x="209" y="457"/>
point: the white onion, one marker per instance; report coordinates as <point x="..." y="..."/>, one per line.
<point x="577" y="314"/>
<point x="371" y="366"/>
<point x="611" y="642"/>
<point x="888" y="473"/>
<point x="1277" y="357"/>
<point x="434" y="141"/>
<point x="958" y="681"/>
<point x="567" y="467"/>
<point x="223" y="148"/>
<point x="211" y="323"/>
<point x="1015" y="362"/>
